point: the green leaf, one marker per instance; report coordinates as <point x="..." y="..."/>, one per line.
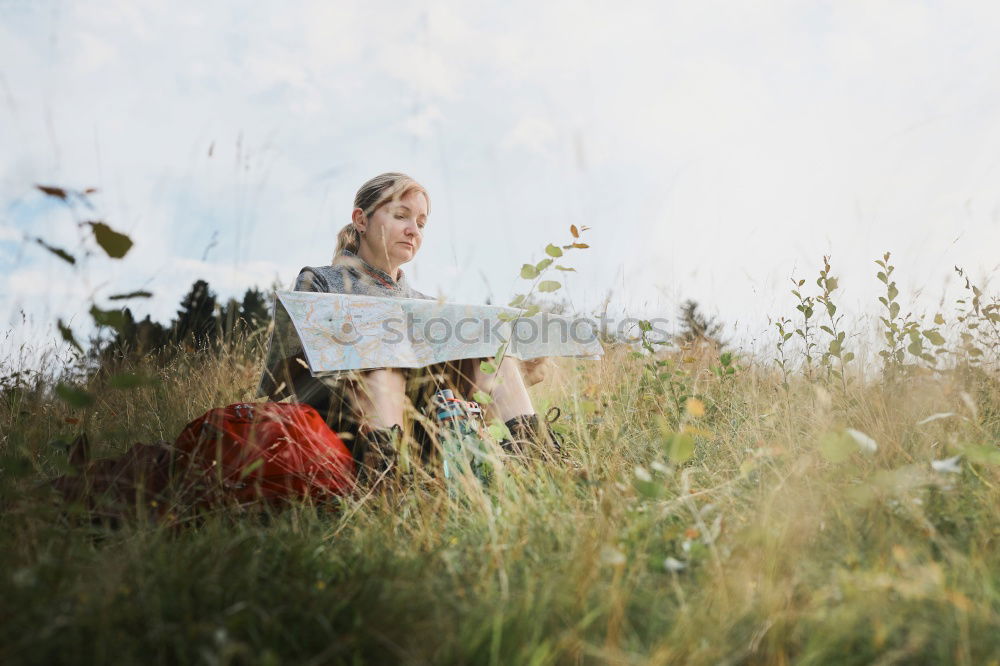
<point x="938" y="319"/>
<point x="131" y="294"/>
<point x="542" y="265"/>
<point x="487" y="367"/>
<point x="548" y="285"/>
<point x="14" y="465"/>
<point x="645" y="326"/>
<point x="52" y="191"/>
<point x="892" y="292"/>
<point x="574" y="231"/>
<point x="936" y="338"/>
<point x="882" y="277"/>
<point x="499" y="432"/>
<point x="531" y="311"/>
<point x="517" y="301"/>
<point x="115" y="244"/>
<point x="982" y="454"/>
<point x="837" y="446"/>
<point x="67" y="335"/>
<point x="893" y="310"/>
<point x="649" y="489"/>
<point x="564" y="268"/>
<point x="831" y="284"/>
<point x="73" y="396"/>
<point x="128" y="380"/>
<point x="482" y="398"/>
<point x="251" y="468"/>
<point x="113" y="318"/>
<point x="529" y="272"/>
<point x="62" y="254"/>
<point x="507" y="316"/>
<point x="679" y="447"/>
<point x="553" y="251"/>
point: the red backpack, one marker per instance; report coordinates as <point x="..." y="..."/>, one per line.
<point x="268" y="450"/>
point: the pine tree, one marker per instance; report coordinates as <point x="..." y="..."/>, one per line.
<point x="200" y="321"/>
<point x="696" y="328"/>
<point x="255" y="309"/>
<point x="196" y="318"/>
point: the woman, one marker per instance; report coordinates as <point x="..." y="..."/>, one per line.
<point x="386" y="231"/>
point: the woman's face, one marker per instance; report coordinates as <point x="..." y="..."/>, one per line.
<point x="396" y="230"/>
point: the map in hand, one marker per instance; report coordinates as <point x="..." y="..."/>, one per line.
<point x="340" y="332"/>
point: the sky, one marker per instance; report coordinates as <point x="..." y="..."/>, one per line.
<point x="715" y="149"/>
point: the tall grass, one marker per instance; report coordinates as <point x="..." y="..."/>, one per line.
<point x="782" y="536"/>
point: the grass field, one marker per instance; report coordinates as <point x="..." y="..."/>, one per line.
<point x="814" y="512"/>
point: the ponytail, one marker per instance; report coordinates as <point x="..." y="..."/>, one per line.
<point x="348" y="238"/>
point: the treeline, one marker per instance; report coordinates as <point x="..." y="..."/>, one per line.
<point x="202" y="321"/>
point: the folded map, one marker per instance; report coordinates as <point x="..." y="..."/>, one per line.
<point x="340" y="332"/>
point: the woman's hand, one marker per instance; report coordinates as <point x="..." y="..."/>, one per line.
<point x="535" y="370"/>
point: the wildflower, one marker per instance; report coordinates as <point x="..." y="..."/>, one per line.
<point x="671" y="564"/>
<point x="947" y="466"/>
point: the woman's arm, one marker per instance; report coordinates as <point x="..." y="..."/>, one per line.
<point x="310" y="280"/>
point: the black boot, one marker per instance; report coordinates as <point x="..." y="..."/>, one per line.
<point x="529" y="435"/>
<point x="375" y="452"/>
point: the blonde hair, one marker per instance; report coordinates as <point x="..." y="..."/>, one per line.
<point x="377" y="192"/>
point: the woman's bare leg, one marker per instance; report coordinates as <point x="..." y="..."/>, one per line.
<point x="379" y="398"/>
<point x="506" y="387"/>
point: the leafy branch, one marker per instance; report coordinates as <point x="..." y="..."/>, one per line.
<point x="903" y="333"/>
<point x="535" y="273"/>
<point x="115" y="245"/>
<point x="835" y="348"/>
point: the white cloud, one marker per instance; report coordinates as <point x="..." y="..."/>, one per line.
<point x="423" y="123"/>
<point x="726" y="145"/>
<point x="532" y="134"/>
<point x="9" y="233"/>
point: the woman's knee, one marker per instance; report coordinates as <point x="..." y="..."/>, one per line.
<point x="383" y="380"/>
<point x="508" y="373"/>
<point x="380" y="396"/>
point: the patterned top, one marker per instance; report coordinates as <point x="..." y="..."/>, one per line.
<point x="350" y="274"/>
